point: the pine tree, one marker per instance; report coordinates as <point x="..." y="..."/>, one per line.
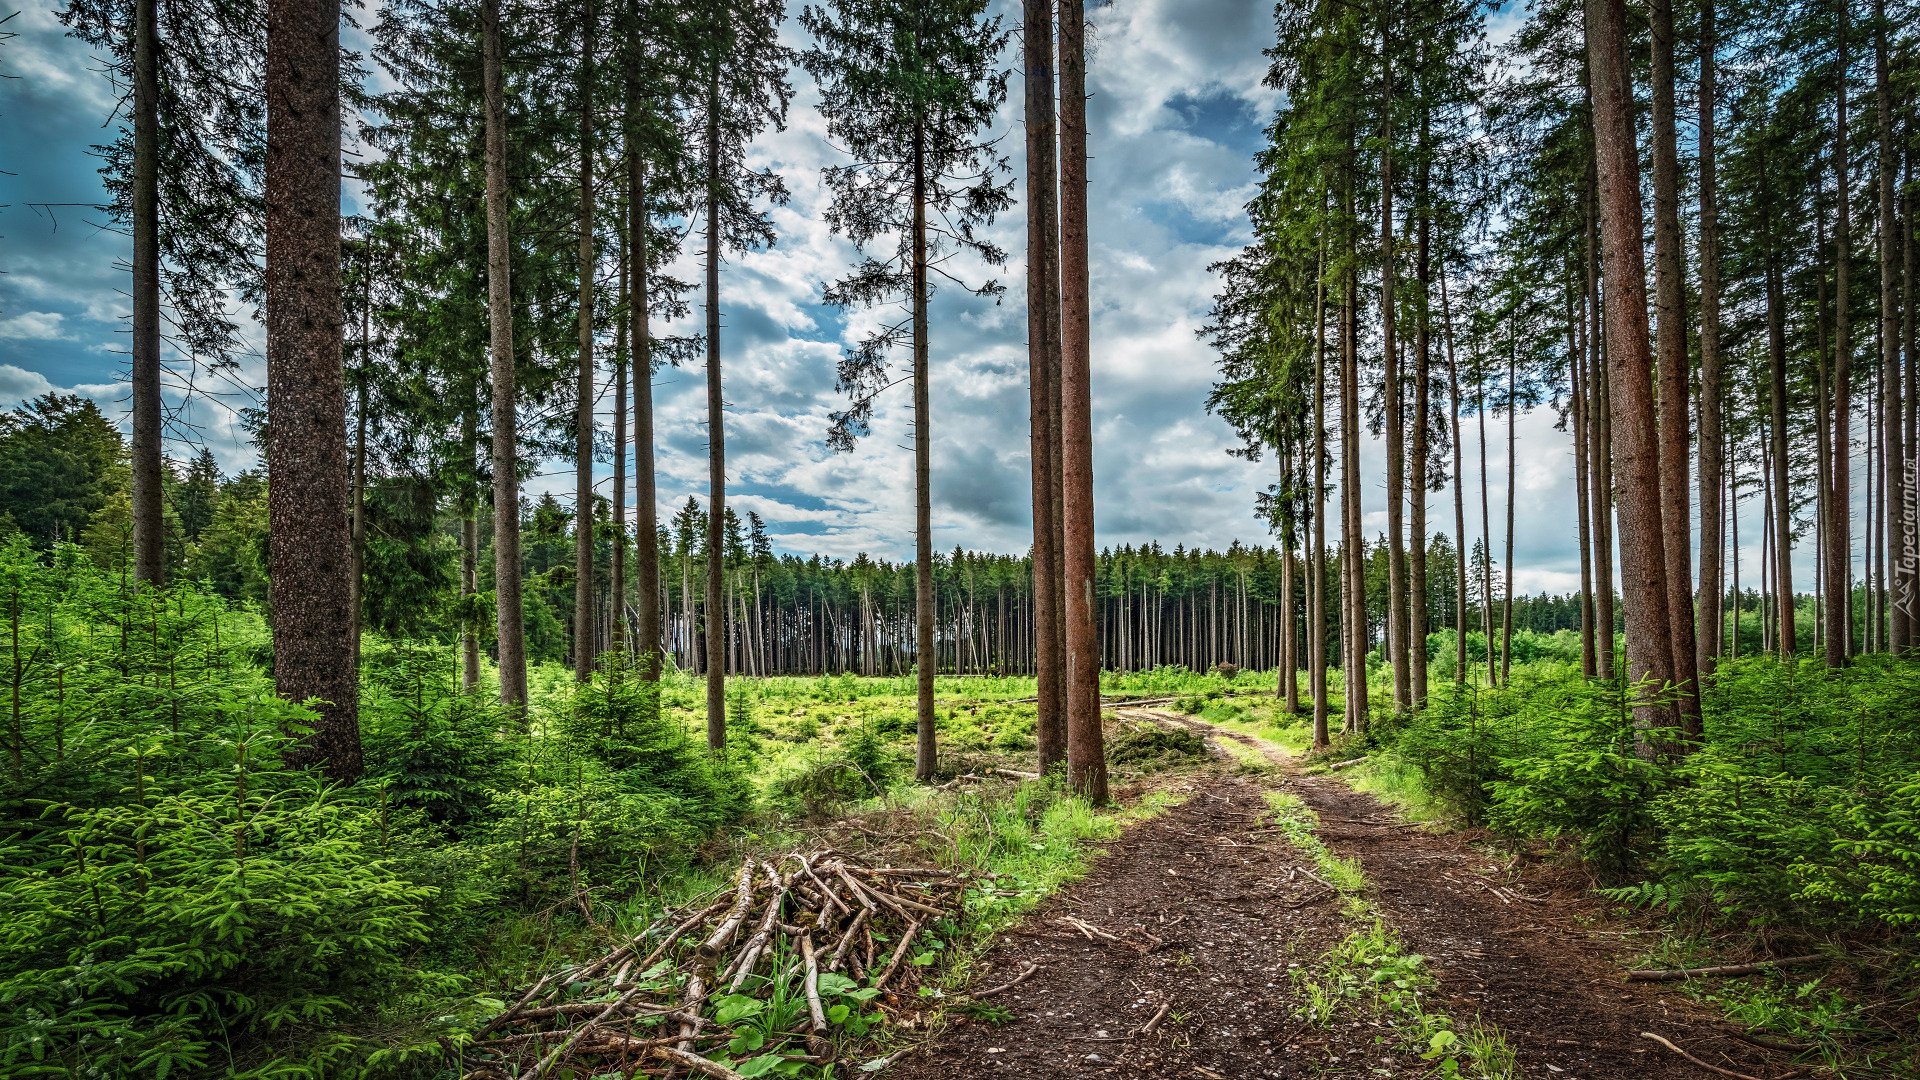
<point x="906" y="88"/>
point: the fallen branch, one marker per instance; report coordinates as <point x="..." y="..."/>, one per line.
<point x="1017" y="774"/>
<point x="1153" y="1025"/>
<point x="703" y="1066"/>
<point x="1695" y="1060"/>
<point x="1349" y="763"/>
<point x="1016" y="981"/>
<point x="1661" y="975"/>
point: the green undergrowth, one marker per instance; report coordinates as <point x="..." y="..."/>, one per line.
<point x="1792" y="827"/>
<point x="1371" y="972"/>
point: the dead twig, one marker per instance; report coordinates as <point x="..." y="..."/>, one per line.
<point x="1016" y="981"/>
<point x="1695" y="1060"/>
<point x="1666" y="975"/>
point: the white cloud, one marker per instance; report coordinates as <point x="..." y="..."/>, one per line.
<point x="35" y="326"/>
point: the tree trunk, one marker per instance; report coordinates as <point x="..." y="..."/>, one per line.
<point x="1636" y="449"/>
<point x="1459" y="494"/>
<point x="307" y="498"/>
<point x="357" y="535"/>
<point x="1898" y="580"/>
<point x="1600" y="419"/>
<point x="716" y="440"/>
<point x="1506" y="608"/>
<point x="1396" y="621"/>
<point x="509" y="625"/>
<point x="1675" y="442"/>
<point x="617" y="578"/>
<point x="1355" y="617"/>
<point x="925" y="753"/>
<point x="583" y="625"/>
<point x="469" y="548"/>
<point x="1417" y="472"/>
<point x="1713" y="492"/>
<point x="1317" y="598"/>
<point x="1577" y="410"/>
<point x="1044" y="352"/>
<point x="143" y="362"/>
<point x="650" y="633"/>
<point x="1839" y="518"/>
<point x="1086" y="755"/>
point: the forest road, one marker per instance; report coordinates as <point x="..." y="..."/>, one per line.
<point x="1200" y="913"/>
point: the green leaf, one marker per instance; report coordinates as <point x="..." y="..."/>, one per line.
<point x="734" y="1007"/>
<point x="759" y="1066"/>
<point x="832" y="982"/>
<point x="837" y="1014"/>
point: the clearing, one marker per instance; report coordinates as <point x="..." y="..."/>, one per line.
<point x="1210" y="919"/>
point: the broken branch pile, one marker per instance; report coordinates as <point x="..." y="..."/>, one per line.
<point x="735" y="984"/>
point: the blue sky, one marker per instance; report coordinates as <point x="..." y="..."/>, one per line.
<point x="1176" y="114"/>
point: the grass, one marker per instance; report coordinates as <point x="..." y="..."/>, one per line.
<point x="1371" y="970"/>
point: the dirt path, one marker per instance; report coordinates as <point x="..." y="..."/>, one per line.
<point x="1213" y="915"/>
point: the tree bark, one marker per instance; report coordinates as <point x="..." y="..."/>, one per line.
<point x="1711" y="601"/>
<point x="1044" y="357"/>
<point x="1086" y="755"/>
<point x="1317" y="598"/>
<point x="617" y="583"/>
<point x="1900" y="627"/>
<point x="1839" y="517"/>
<point x="583" y="623"/>
<point x="650" y="633"/>
<point x="1459" y="495"/>
<point x="715" y="608"/>
<point x="509" y="625"/>
<point x="1577" y="410"/>
<point x="149" y="524"/>
<point x="1417" y="472"/>
<point x="307" y="496"/>
<point x="469" y="547"/>
<point x="1670" y="342"/>
<point x="1396" y="622"/>
<point x="925" y="758"/>
<point x="1636" y="446"/>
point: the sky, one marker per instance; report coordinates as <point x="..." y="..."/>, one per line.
<point x="1175" y="115"/>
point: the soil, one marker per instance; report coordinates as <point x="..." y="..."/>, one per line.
<point x="1212" y="914"/>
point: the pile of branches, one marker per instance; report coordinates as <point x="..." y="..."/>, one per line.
<point x="727" y="974"/>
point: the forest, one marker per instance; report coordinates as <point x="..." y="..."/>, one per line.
<point x="386" y="755"/>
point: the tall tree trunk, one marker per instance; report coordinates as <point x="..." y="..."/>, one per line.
<point x="307" y="498"/>
<point x="1043" y="355"/>
<point x="509" y="627"/>
<point x="1577" y="410"/>
<point x="716" y="440"/>
<point x="357" y="534"/>
<point x="149" y="524"/>
<point x="1396" y="622"/>
<point x="1675" y="418"/>
<point x="617" y="579"/>
<point x="1900" y="627"/>
<point x="925" y="752"/>
<point x="1713" y="493"/>
<point x="1636" y="440"/>
<point x="1417" y="472"/>
<point x="1317" y="598"/>
<point x="1600" y="442"/>
<point x="1086" y="755"/>
<point x="650" y="633"/>
<point x="1354" y="591"/>
<point x="583" y="624"/>
<point x="1486" y="533"/>
<point x="1506" y="608"/>
<point x="1459" y="494"/>
<point x="1839" y="518"/>
<point x="469" y="546"/>
<point x="1779" y="494"/>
